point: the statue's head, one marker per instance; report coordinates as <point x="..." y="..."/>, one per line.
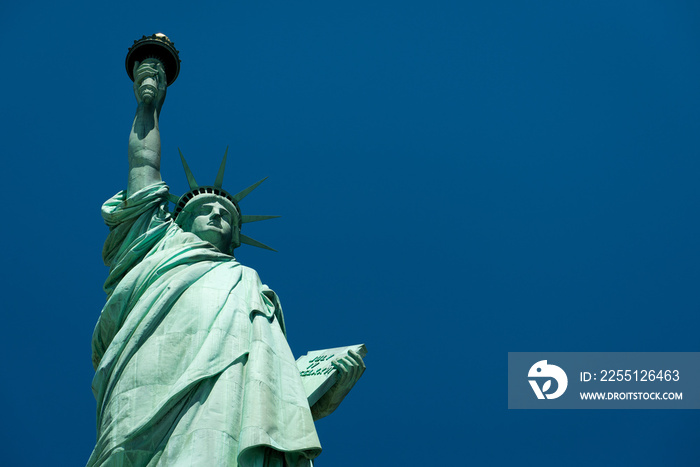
<point x="214" y="219"/>
<point x="213" y="214"/>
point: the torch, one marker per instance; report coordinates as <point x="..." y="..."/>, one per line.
<point x="159" y="47"/>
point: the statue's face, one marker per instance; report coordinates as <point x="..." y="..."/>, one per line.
<point x="216" y="225"/>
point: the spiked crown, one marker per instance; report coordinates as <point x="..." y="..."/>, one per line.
<point x="196" y="192"/>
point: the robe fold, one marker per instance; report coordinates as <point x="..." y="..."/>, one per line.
<point x="192" y="363"/>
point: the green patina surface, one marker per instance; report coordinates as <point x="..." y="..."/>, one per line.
<point x="190" y="352"/>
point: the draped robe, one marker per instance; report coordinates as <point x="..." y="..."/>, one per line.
<point x="192" y="363"/>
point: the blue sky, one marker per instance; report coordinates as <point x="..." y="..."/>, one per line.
<point x="457" y="180"/>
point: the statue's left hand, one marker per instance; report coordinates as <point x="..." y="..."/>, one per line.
<point x="350" y="369"/>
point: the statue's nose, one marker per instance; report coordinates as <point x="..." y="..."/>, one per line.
<point x="215" y="213"/>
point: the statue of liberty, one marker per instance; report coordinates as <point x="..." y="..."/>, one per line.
<point x="192" y="365"/>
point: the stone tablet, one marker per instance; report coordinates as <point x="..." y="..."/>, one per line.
<point x="317" y="373"/>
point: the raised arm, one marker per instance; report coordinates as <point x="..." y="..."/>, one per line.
<point x="144" y="141"/>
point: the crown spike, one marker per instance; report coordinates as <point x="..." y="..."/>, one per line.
<point x="220" y="176"/>
<point x="248" y="218"/>
<point x="188" y="172"/>
<point x="249" y="241"/>
<point x="242" y="194"/>
<point x="173" y="198"/>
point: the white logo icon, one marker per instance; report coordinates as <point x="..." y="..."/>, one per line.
<point x="542" y="370"/>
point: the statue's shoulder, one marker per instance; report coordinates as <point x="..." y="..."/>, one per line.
<point x="251" y="276"/>
<point x="248" y="272"/>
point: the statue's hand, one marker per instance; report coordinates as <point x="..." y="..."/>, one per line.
<point x="150" y="84"/>
<point x="350" y="369"/>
